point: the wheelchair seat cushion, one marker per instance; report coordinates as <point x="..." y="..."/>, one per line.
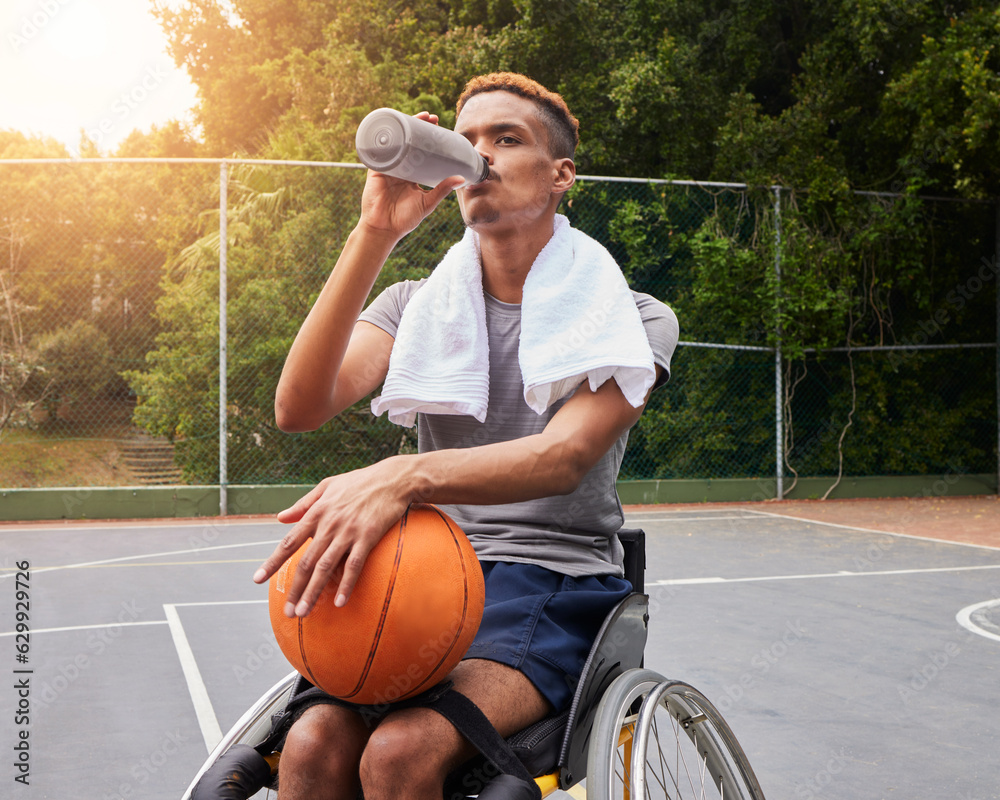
<point x="543" y="624"/>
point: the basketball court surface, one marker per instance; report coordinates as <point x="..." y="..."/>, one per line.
<point x="855" y="655"/>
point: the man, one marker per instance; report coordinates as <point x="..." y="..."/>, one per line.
<point x="535" y="492"/>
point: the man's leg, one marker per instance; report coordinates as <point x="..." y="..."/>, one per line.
<point x="321" y="755"/>
<point x="412" y="751"/>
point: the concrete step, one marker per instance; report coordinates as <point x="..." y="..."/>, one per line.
<point x="149" y="460"/>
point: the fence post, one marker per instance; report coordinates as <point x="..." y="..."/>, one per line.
<point x="779" y="428"/>
<point x="223" y="347"/>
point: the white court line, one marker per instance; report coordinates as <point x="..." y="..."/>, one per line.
<point x="220" y="603"/>
<point x="130" y="624"/>
<point x="36" y="571"/>
<point x="630" y="521"/>
<point x="775" y="515"/>
<point x="964" y="618"/>
<point x="207" y="721"/>
<point x="89" y="526"/>
<point x="806" y="576"/>
<point x="35" y="631"/>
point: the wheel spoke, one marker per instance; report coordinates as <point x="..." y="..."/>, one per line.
<point x="689" y="754"/>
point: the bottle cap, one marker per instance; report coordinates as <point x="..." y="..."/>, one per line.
<point x="381" y="141"/>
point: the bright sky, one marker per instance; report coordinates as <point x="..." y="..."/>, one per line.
<point x="99" y="65"/>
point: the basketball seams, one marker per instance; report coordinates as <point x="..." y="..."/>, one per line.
<point x="302" y="652"/>
<point x="368" y="646"/>
<point x="465" y="606"/>
<point x="377" y="639"/>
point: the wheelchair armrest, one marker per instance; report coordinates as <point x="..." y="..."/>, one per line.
<point x="634" y="544"/>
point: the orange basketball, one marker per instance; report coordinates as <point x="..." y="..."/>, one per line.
<point x="414" y="611"/>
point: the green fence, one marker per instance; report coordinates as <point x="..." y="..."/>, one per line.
<point x="822" y="335"/>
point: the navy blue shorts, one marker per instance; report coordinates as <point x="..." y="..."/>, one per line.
<point x="543" y="624"/>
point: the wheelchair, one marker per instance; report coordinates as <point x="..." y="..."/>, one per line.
<point x="629" y="731"/>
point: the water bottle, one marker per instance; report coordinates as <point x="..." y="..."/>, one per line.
<point x="409" y="148"/>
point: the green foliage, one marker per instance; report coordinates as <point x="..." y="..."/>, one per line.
<point x="286" y="227"/>
<point x="77" y="363"/>
<point x="716" y="419"/>
<point x="829" y="98"/>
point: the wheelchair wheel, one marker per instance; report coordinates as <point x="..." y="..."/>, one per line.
<point x="251" y="729"/>
<point x="655" y="738"/>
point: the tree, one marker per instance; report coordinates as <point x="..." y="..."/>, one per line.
<point x="18" y="364"/>
<point x="828" y="98"/>
<point x="286" y="227"/>
<point x="77" y="364"/>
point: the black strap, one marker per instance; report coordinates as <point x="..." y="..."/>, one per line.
<point x="465" y="715"/>
<point x="455" y="707"/>
<point x="305" y="695"/>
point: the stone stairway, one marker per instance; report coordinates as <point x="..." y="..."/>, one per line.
<point x="149" y="460"/>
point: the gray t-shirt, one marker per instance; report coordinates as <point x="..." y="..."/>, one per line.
<point x="573" y="534"/>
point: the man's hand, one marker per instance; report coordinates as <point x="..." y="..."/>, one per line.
<point x="346" y="516"/>
<point x="394" y="207"/>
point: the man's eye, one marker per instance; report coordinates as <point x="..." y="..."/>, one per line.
<point x="507" y="140"/>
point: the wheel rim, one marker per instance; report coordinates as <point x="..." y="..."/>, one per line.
<point x="684" y="749"/>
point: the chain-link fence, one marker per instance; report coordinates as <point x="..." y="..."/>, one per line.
<point x="822" y="335"/>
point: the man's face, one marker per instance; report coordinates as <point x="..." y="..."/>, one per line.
<point x="505" y="128"/>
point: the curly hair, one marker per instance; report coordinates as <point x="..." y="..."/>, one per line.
<point x="560" y="124"/>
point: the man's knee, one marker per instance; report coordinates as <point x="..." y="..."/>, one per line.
<point x="391" y="750"/>
<point x="405" y="752"/>
<point x="322" y="748"/>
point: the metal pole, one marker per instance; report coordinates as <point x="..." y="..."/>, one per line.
<point x="996" y="289"/>
<point x="779" y="428"/>
<point x="223" y="324"/>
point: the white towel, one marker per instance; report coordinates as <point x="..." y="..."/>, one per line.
<point x="579" y="322"/>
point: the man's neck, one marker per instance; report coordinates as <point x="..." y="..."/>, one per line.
<point x="507" y="259"/>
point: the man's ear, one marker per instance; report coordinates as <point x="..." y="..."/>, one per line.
<point x="565" y="175"/>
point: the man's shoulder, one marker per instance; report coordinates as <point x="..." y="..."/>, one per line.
<point x="650" y="307"/>
<point x="405" y="289"/>
<point x="386" y="310"/>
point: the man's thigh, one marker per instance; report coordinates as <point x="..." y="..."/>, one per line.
<point x="507" y="698"/>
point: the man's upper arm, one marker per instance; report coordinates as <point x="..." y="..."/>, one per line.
<point x="364" y="367"/>
<point x="589" y="423"/>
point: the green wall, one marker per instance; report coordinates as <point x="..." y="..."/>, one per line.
<point x="203" y="501"/>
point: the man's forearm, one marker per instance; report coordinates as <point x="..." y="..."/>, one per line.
<point x="304" y="396"/>
<point x="549" y="463"/>
<point x="506" y="472"/>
